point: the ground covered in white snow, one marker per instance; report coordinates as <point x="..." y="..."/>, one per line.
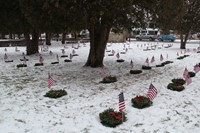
<point x="24" y="109"/>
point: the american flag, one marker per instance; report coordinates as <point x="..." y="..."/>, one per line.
<point x="113" y="51"/>
<point x="50" y="53"/>
<point x="147" y="61"/>
<point x="57" y="57"/>
<point x="117" y="55"/>
<point x="161" y="57"/>
<point x="188" y="79"/>
<point x="41" y="59"/>
<point x="152" y="59"/>
<point x="70" y="56"/>
<point x="24" y="58"/>
<point x="185" y="73"/>
<point x="177" y="54"/>
<point x="196" y="68"/>
<point x="50" y="81"/>
<point x="73" y="51"/>
<point x="5" y="56"/>
<point x="121" y="102"/>
<point x="103" y="73"/>
<point x="5" y="49"/>
<point x="63" y="51"/>
<point x="131" y="64"/>
<point x="152" y="92"/>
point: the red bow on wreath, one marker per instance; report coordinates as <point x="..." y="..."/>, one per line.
<point x="139" y="98"/>
<point x="115" y="116"/>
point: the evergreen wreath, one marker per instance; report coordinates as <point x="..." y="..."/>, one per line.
<point x="141" y="102"/>
<point x="166" y="62"/>
<point x="120" y="60"/>
<point x="192" y="74"/>
<point x="21" y="65"/>
<point x="175" y="87"/>
<point x="111" y="118"/>
<point x="109" y="79"/>
<point x="146" y="67"/>
<point x="38" y="64"/>
<point x="55" y="93"/>
<point x="178" y="81"/>
<point x="135" y="71"/>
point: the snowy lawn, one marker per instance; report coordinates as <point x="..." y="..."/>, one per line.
<point x="24" y="109"/>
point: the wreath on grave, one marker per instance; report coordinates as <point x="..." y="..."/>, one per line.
<point x="67" y="60"/>
<point x="166" y="62"/>
<point x="120" y="60"/>
<point x="39" y="64"/>
<point x="7" y="61"/>
<point x="192" y="74"/>
<point x="21" y="65"/>
<point x="141" y="102"/>
<point x="161" y="65"/>
<point x="55" y="62"/>
<point x="175" y="87"/>
<point x="63" y="56"/>
<point x="55" y="93"/>
<point x="135" y="71"/>
<point x="111" y="118"/>
<point x="109" y="79"/>
<point x="178" y="81"/>
<point x="146" y="67"/>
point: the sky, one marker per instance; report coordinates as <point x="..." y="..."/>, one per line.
<point x="24" y="109"/>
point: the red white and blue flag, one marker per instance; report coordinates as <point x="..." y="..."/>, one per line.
<point x="5" y="56"/>
<point x="50" y="81"/>
<point x="152" y="59"/>
<point x="41" y="60"/>
<point x="131" y="64"/>
<point x="117" y="55"/>
<point x="121" y="102"/>
<point x="196" y="68"/>
<point x="161" y="57"/>
<point x="152" y="92"/>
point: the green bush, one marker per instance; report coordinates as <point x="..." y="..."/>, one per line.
<point x="178" y="81"/>
<point x="109" y="120"/>
<point x="141" y="102"/>
<point x="55" y="93"/>
<point x="109" y="79"/>
<point x="135" y="71"/>
<point x="21" y="65"/>
<point x="175" y="87"/>
<point x="192" y="74"/>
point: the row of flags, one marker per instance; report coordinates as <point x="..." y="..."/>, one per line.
<point x="153" y="59"/>
<point x="186" y="75"/>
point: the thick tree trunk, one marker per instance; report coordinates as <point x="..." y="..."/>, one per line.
<point x="48" y="38"/>
<point x="63" y="38"/>
<point x="32" y="47"/>
<point x="98" y="40"/>
<point x="184" y="40"/>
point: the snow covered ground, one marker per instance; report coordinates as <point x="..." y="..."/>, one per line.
<point x="24" y="109"/>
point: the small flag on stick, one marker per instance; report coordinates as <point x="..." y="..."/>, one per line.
<point x="196" y="68"/>
<point x="50" y="81"/>
<point x="152" y="92"/>
<point x="121" y="102"/>
<point x="152" y="59"/>
<point x="41" y="59"/>
<point x="5" y="57"/>
<point x="131" y="64"/>
<point x="57" y="57"/>
<point x="117" y="55"/>
<point x="161" y="57"/>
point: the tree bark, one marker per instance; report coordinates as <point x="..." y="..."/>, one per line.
<point x="32" y="48"/>
<point x="48" y="38"/>
<point x="63" y="38"/>
<point x="98" y="40"/>
<point x="184" y="40"/>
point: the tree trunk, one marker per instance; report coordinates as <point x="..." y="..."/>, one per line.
<point x="98" y="40"/>
<point x="32" y="47"/>
<point x="48" y="38"/>
<point x="63" y="38"/>
<point x="184" y="40"/>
